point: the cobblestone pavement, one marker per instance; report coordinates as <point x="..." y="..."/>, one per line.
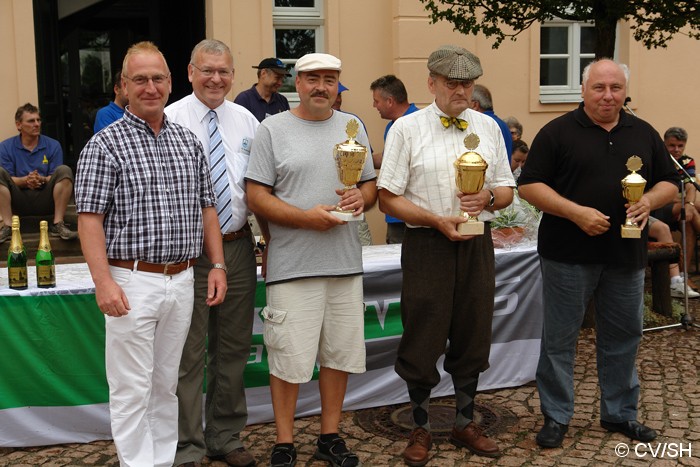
<point x="670" y="402"/>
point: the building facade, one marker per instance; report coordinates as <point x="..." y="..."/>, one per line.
<point x="60" y="54"/>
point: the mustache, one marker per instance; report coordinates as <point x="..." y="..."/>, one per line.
<point x="320" y="94"/>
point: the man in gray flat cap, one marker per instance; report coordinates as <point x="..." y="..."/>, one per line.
<point x="448" y="278"/>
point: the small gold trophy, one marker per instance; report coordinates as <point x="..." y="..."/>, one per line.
<point x="470" y="171"/>
<point x="350" y="159"/>
<point x="632" y="189"/>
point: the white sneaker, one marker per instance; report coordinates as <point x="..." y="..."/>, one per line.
<point x="677" y="291"/>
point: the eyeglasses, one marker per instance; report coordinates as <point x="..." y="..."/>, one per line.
<point x="454" y="83"/>
<point x="208" y="72"/>
<point x="140" y="80"/>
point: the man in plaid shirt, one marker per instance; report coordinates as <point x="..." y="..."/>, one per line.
<point x="146" y="207"/>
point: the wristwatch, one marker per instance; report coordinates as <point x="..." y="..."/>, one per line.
<point x="219" y="266"/>
<point x="493" y="199"/>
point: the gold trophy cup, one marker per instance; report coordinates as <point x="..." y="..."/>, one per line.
<point x="470" y="171"/>
<point x="350" y="159"/>
<point x="632" y="189"/>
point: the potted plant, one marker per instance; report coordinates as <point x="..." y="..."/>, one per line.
<point x="515" y="224"/>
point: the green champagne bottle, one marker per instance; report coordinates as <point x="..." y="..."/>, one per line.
<point x="17" y="259"/>
<point x="45" y="263"/>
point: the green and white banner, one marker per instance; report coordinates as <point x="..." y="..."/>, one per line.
<point x="52" y="378"/>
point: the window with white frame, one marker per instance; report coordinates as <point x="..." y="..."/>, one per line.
<point x="565" y="49"/>
<point x="298" y="29"/>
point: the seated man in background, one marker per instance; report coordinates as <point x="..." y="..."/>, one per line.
<point x="33" y="179"/>
<point x="675" y="140"/>
<point x="662" y="233"/>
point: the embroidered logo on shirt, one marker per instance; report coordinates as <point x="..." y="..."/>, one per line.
<point x="245" y="145"/>
<point x="46" y="160"/>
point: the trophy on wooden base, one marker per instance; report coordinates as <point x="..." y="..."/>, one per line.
<point x="470" y="172"/>
<point x="632" y="189"/>
<point x="350" y="159"/>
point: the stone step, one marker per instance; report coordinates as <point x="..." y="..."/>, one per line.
<point x="29" y="224"/>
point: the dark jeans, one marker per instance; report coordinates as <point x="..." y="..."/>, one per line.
<point x="618" y="293"/>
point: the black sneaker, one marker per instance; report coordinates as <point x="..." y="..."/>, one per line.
<point x="5" y="233"/>
<point x="59" y="229"/>
<point x="336" y="453"/>
<point x="283" y="455"/>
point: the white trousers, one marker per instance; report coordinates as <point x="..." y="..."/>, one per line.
<point x="142" y="357"/>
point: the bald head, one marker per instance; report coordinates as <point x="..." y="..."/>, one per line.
<point x="604" y="90"/>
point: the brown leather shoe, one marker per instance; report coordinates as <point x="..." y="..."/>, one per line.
<point x="473" y="439"/>
<point x="418" y="448"/>
<point x="239" y="458"/>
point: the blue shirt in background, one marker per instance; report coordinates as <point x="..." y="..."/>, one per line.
<point x="19" y="161"/>
<point x="411" y="108"/>
<point x="505" y="130"/>
<point x="107" y="115"/>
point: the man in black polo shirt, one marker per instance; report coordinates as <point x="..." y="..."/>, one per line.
<point x="262" y="99"/>
<point x="573" y="174"/>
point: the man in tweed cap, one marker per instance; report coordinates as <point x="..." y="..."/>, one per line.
<point x="454" y="62"/>
<point x="448" y="278"/>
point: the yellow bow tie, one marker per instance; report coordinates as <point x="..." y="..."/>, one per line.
<point x="460" y="124"/>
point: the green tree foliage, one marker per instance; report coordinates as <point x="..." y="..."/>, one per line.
<point x="654" y="22"/>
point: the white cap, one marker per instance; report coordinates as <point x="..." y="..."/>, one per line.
<point x="317" y="61"/>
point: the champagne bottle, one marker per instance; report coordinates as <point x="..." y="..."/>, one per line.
<point x="45" y="263"/>
<point x="17" y="259"/>
<point x="16" y="219"/>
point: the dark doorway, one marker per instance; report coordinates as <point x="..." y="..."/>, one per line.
<point x="80" y="44"/>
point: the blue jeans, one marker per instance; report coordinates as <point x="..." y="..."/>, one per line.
<point x="619" y="303"/>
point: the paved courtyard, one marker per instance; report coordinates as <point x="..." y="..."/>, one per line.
<point x="670" y="402"/>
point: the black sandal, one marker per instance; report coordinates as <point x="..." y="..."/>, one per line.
<point x="337" y="453"/>
<point x="283" y="455"/>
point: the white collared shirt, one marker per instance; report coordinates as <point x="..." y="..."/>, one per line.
<point x="237" y="127"/>
<point x="419" y="156"/>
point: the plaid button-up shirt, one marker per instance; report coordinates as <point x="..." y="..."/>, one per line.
<point x="151" y="189"/>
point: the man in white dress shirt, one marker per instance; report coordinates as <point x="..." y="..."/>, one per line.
<point x="228" y="326"/>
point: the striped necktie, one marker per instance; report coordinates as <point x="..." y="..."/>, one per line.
<point x="217" y="161"/>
